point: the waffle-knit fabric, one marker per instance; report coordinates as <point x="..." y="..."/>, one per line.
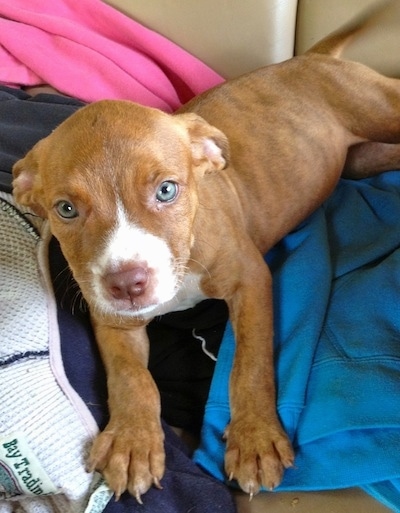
<point x="45" y="428"/>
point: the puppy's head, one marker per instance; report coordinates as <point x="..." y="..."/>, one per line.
<point x="119" y="184"/>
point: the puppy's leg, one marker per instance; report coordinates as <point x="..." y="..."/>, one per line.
<point x="130" y="451"/>
<point x="373" y="116"/>
<point x="370" y="158"/>
<point x="258" y="449"/>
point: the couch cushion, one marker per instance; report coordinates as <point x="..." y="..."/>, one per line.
<point x="377" y="46"/>
<point x="231" y="37"/>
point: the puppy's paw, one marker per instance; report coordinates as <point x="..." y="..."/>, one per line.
<point x="130" y="458"/>
<point x="257" y="453"/>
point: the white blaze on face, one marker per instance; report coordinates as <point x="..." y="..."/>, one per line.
<point x="128" y="244"/>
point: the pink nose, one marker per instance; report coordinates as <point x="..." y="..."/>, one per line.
<point x="127" y="284"/>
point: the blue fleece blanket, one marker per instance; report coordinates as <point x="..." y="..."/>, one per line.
<point x="337" y="343"/>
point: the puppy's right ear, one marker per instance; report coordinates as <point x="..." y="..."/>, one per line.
<point x="210" y="146"/>
<point x="27" y="186"/>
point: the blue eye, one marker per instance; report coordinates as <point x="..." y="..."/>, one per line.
<point x="167" y="191"/>
<point x="66" y="210"/>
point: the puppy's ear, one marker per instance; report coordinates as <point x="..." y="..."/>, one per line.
<point x="27" y="187"/>
<point x="210" y="146"/>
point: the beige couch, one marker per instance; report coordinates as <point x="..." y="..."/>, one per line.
<point x="234" y="37"/>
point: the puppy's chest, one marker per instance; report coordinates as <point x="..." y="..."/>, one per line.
<point x="188" y="295"/>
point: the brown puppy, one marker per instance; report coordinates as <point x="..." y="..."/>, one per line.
<point x="156" y="212"/>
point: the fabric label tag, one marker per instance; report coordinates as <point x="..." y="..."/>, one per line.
<point x="99" y="498"/>
<point x="20" y="471"/>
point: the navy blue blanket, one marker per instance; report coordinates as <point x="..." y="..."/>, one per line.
<point x="337" y="326"/>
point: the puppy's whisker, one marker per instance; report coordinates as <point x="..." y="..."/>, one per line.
<point x="79" y="302"/>
<point x="69" y="291"/>
<point x="63" y="279"/>
<point x="202" y="266"/>
<point x="183" y="263"/>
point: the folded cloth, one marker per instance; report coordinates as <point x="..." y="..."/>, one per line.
<point x="90" y="51"/>
<point x="337" y="325"/>
<point x="43" y="420"/>
<point x="24" y="120"/>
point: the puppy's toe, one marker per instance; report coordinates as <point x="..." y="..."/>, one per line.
<point x="270" y="468"/>
<point x="146" y="469"/>
<point x="100" y="451"/>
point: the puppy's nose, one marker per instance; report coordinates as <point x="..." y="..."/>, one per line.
<point x="128" y="283"/>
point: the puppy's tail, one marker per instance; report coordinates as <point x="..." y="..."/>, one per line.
<point x="335" y="43"/>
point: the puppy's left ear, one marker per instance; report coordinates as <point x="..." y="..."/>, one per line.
<point x="210" y="146"/>
<point x="27" y="187"/>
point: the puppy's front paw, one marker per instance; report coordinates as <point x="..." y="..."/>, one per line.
<point x="130" y="458"/>
<point x="257" y="453"/>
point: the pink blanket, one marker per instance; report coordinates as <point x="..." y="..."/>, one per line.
<point x="89" y="50"/>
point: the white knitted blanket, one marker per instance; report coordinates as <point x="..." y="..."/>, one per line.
<point x="45" y="427"/>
